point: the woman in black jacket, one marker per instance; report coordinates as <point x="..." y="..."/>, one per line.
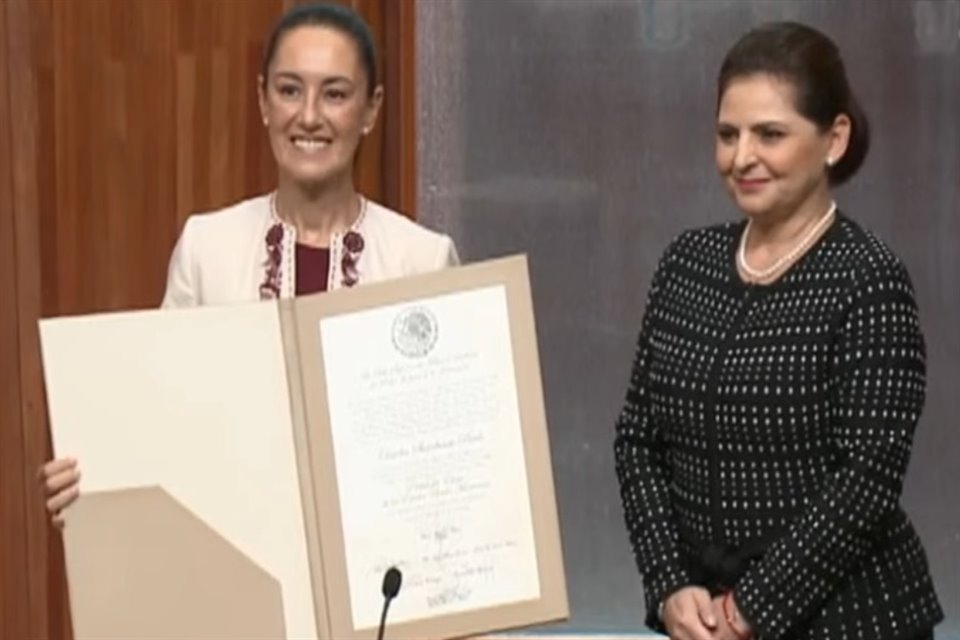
<point x="779" y="377"/>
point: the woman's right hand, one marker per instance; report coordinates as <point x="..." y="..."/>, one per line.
<point x="688" y="614"/>
<point x="61" y="483"/>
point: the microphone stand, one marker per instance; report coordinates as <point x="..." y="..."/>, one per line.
<point x="391" y="587"/>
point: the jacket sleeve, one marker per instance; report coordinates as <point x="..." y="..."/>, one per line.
<point x="446" y="254"/>
<point x="878" y="385"/>
<point x="644" y="475"/>
<point x="181" y="274"/>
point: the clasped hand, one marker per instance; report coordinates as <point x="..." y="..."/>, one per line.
<point x="691" y="614"/>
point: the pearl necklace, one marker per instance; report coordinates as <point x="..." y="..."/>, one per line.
<point x="787" y="258"/>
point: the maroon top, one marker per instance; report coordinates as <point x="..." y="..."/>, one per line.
<point x="312" y="266"/>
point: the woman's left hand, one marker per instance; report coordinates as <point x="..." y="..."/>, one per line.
<point x="724" y="630"/>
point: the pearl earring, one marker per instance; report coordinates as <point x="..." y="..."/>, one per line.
<point x="830" y="161"/>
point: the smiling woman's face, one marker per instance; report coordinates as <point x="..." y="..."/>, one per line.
<point x="316" y="104"/>
<point x="771" y="157"/>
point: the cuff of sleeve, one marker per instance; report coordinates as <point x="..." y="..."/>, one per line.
<point x="737" y="620"/>
<point x="750" y="614"/>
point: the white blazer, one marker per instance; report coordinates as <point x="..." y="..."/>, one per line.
<point x="221" y="256"/>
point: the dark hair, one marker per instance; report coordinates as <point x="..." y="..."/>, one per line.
<point x="335" y="16"/>
<point x="811" y="62"/>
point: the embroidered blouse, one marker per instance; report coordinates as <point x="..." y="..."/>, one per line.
<point x="281" y="278"/>
<point x="312" y="269"/>
<point x="225" y="256"/>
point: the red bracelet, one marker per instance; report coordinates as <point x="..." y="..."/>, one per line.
<point x="731" y="622"/>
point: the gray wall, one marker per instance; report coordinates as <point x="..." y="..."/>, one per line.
<point x="580" y="132"/>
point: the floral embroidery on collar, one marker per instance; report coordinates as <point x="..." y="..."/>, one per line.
<point x="270" y="287"/>
<point x="352" y="244"/>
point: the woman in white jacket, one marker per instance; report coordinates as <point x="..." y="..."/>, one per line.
<point x="319" y="97"/>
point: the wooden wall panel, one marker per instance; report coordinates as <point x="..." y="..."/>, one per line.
<point x="13" y="556"/>
<point x="400" y="108"/>
<point x="154" y="117"/>
<point x="118" y="118"/>
<point x="28" y="545"/>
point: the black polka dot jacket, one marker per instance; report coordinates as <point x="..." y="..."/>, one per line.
<point x="765" y="436"/>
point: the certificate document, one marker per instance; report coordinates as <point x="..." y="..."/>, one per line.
<point x="252" y="471"/>
<point x="429" y="455"/>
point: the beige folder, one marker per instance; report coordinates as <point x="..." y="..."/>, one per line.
<point x="210" y="504"/>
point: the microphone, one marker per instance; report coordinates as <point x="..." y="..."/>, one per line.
<point x="392" y="580"/>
